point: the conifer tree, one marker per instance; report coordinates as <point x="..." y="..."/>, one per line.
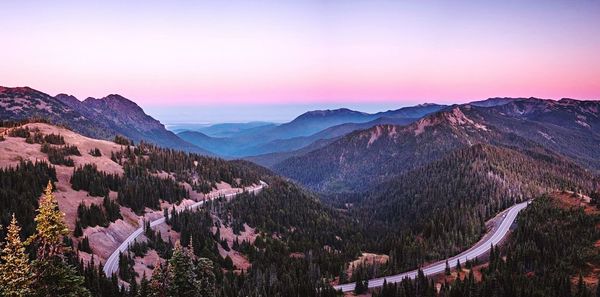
<point x="15" y="270"/>
<point x="160" y="281"/>
<point x="53" y="276"/>
<point x="181" y="271"/>
<point x="206" y="277"/>
<point x="144" y="287"/>
<point x="51" y="227"/>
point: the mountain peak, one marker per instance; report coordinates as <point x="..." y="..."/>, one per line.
<point x="69" y="100"/>
<point x="18" y="90"/>
<point x="330" y="112"/>
<point x="454" y="117"/>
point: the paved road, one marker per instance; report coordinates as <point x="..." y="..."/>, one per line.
<point x="112" y="263"/>
<point x="482" y="247"/>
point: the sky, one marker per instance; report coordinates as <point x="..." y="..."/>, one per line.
<point x="224" y="61"/>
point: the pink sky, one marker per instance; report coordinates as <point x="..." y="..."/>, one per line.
<point x="177" y="53"/>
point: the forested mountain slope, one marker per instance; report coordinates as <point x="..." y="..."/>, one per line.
<point x="569" y="127"/>
<point x="107" y="190"/>
<point x="446" y="202"/>
<point x="364" y="158"/>
<point x="552" y="252"/>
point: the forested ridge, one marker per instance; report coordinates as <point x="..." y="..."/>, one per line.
<point x="548" y="249"/>
<point x="440" y="209"/>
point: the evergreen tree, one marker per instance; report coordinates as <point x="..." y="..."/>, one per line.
<point x="53" y="276"/>
<point x="181" y="272"/>
<point x="206" y="277"/>
<point x="51" y="227"/>
<point x="144" y="287"/>
<point x="15" y="270"/>
<point x="160" y="281"/>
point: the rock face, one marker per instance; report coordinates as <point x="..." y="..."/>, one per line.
<point x="123" y="112"/>
<point x="98" y="118"/>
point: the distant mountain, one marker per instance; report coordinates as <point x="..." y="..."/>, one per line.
<point x="295" y="135"/>
<point x="99" y="118"/>
<point x="225" y="146"/>
<point x="271" y="159"/>
<point x="364" y="158"/>
<point x="415" y="112"/>
<point x="233" y="129"/>
<point x="569" y="127"/>
<point x="278" y="150"/>
<point x="491" y="102"/>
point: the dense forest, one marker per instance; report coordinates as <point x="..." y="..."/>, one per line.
<point x="201" y="172"/>
<point x="445" y="204"/>
<point x="20" y="189"/>
<point x="549" y="247"/>
<point x="319" y="250"/>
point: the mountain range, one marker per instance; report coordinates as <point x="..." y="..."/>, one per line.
<point x="364" y="158"/>
<point x="102" y="118"/>
<point x="303" y="131"/>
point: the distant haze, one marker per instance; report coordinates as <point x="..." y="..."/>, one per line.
<point x="278" y="113"/>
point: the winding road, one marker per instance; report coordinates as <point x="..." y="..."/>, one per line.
<point x="112" y="263"/>
<point x="494" y="237"/>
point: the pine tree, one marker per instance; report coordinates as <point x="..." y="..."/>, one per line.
<point x="78" y="230"/>
<point x="206" y="277"/>
<point x="15" y="270"/>
<point x="51" y="227"/>
<point x="144" y="287"/>
<point x="160" y="281"/>
<point x="53" y="277"/>
<point x="183" y="280"/>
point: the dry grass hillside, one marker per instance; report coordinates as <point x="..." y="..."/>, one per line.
<point x="103" y="240"/>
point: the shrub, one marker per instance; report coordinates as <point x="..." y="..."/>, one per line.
<point x="22" y="132"/>
<point x="122" y="140"/>
<point x="95" y="152"/>
<point x="54" y="139"/>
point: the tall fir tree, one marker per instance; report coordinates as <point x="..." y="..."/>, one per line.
<point x="160" y="281"/>
<point x="181" y="271"/>
<point x="206" y="277"/>
<point x="53" y="276"/>
<point x="15" y="270"/>
<point x="50" y="227"/>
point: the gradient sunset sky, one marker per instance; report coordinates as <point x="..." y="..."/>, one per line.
<point x="218" y="61"/>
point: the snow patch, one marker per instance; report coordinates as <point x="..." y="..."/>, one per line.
<point x="545" y="135"/>
<point x="582" y="123"/>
